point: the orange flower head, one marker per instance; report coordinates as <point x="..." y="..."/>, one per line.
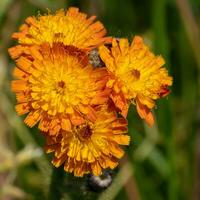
<point x="92" y="146"/>
<point x="57" y="87"/>
<point x="70" y="28"/>
<point x="136" y="75"/>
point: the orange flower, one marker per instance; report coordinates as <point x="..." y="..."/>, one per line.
<point x="92" y="146"/>
<point x="57" y="87"/>
<point x="70" y="28"/>
<point x="136" y="76"/>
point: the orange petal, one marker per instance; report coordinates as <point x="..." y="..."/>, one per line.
<point x="32" y="118"/>
<point x="24" y="63"/>
<point x="66" y="124"/>
<point x="96" y="168"/>
<point x="18" y="73"/>
<point x="22" y="108"/>
<point x="77" y="119"/>
<point x="15" y="51"/>
<point x="19" y="85"/>
<point x="91" y="115"/>
<point x="121" y="103"/>
<point x="145" y="113"/>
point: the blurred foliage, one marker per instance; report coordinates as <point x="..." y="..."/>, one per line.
<point x="162" y="162"/>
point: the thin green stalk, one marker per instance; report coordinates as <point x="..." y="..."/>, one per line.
<point x="56" y="184"/>
<point x="161" y="45"/>
<point x="193" y="33"/>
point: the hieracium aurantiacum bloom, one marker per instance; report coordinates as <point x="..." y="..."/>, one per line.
<point x="136" y="76"/>
<point x="91" y="146"/>
<point x="77" y="106"/>
<point x="56" y="88"/>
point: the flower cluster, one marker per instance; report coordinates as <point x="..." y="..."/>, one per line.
<point x="81" y="109"/>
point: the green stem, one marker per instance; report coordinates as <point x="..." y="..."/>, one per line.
<point x="55" y="188"/>
<point x="161" y="45"/>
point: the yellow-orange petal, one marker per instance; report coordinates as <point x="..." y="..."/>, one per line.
<point x="145" y="113"/>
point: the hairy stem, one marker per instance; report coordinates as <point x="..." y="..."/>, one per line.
<point x="55" y="187"/>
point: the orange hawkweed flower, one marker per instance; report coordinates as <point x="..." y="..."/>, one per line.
<point x="70" y="28"/>
<point x="92" y="146"/>
<point x="57" y="87"/>
<point x="136" y="75"/>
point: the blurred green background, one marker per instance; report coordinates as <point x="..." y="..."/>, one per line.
<point x="162" y="162"/>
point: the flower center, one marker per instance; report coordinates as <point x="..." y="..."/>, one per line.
<point x="136" y="74"/>
<point x="55" y="87"/>
<point x="61" y="84"/>
<point x="84" y="131"/>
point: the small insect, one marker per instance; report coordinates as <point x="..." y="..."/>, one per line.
<point x="94" y="59"/>
<point x="99" y="183"/>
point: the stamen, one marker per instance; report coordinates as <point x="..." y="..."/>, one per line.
<point x="86" y="132"/>
<point x="136" y="73"/>
<point x="61" y="84"/>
